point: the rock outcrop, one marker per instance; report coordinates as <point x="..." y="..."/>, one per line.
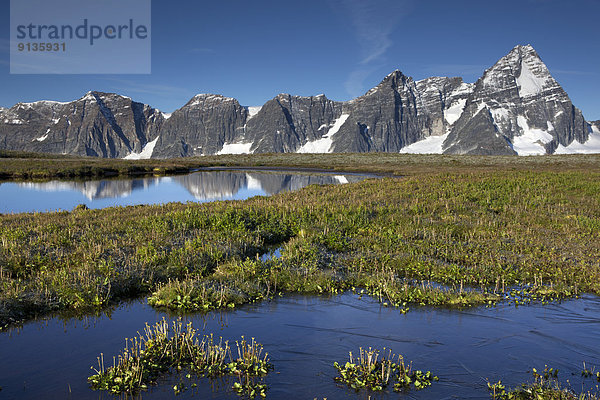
<point x="98" y="124"/>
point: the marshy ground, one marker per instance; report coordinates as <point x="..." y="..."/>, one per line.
<point x="453" y="232"/>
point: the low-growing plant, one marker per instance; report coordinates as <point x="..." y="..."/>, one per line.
<point x="590" y="372"/>
<point x="544" y="387"/>
<point x="248" y="387"/>
<point x="374" y="371"/>
<point x="165" y="348"/>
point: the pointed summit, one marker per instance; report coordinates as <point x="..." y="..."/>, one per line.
<point x="208" y="99"/>
<point x="527" y="105"/>
<point x="521" y="69"/>
<point x="393" y="80"/>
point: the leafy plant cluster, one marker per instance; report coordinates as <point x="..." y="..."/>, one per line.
<point x="372" y="372"/>
<point x="171" y="348"/>
<point x="545" y="386"/>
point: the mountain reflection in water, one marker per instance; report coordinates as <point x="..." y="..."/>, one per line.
<point x="200" y="186"/>
<point x="226" y="184"/>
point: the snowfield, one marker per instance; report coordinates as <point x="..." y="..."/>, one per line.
<point x="323" y="145"/>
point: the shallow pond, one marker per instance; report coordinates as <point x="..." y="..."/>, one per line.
<point x="305" y="335"/>
<point x="200" y="186"/>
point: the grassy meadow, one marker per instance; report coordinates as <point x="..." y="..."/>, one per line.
<point x="439" y="231"/>
<point x="27" y="166"/>
<point x="525" y="230"/>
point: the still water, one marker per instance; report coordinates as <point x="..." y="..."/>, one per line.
<point x="201" y="186"/>
<point x="305" y="335"/>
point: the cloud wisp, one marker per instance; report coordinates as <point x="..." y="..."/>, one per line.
<point x="373" y="23"/>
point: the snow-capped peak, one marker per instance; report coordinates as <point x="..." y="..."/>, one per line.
<point x="45" y="103"/>
<point x="525" y="65"/>
<point x="95" y="96"/>
<point x="203" y="98"/>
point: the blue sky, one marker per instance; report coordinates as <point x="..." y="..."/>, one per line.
<point x="254" y="50"/>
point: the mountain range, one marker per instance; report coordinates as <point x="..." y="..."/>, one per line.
<point x="515" y="108"/>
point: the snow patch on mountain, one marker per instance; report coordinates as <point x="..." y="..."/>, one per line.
<point x="430" y="145"/>
<point x="529" y="84"/>
<point x="453" y="113"/>
<point x="500" y="114"/>
<point x="14" y="121"/>
<point x="323" y="145"/>
<point x="464" y="89"/>
<point x="89" y="96"/>
<point x="235" y="148"/>
<point x="532" y="141"/>
<point x="591" y="146"/>
<point x="208" y="99"/>
<point x="45" y="103"/>
<point x="146" y="152"/>
<point x="252" y="111"/>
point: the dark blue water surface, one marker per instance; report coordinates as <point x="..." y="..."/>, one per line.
<point x="305" y="335"/>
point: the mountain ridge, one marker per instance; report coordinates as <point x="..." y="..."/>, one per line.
<point x="515" y="107"/>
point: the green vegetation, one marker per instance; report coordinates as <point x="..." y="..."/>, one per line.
<point x="453" y="232"/>
<point x="20" y="165"/>
<point x="86" y="259"/>
<point x="164" y="349"/>
<point x="589" y="373"/>
<point x="372" y="372"/>
<point x="544" y="387"/>
<point x="452" y="239"/>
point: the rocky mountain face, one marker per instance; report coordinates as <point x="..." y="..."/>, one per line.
<point x="201" y="126"/>
<point x="476" y="133"/>
<point x="519" y="107"/>
<point x="399" y="112"/>
<point x="516" y="107"/>
<point x="98" y="124"/>
<point x="286" y="123"/>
